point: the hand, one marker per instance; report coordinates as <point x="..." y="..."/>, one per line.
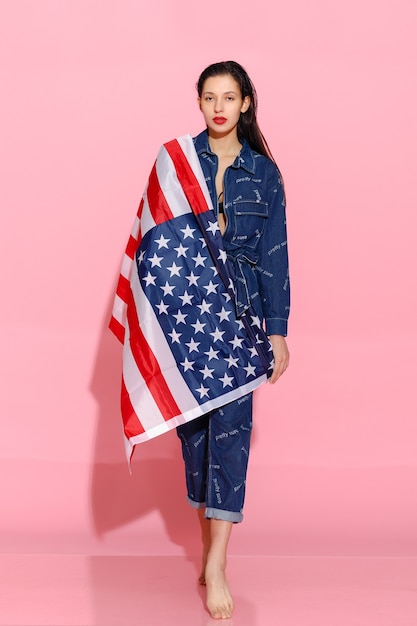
<point x="281" y="356"/>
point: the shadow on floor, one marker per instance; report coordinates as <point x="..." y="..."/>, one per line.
<point x="157" y="482"/>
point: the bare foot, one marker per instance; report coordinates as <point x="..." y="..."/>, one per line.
<point x="219" y="598"/>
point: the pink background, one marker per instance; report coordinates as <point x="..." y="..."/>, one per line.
<point x="90" y="89"/>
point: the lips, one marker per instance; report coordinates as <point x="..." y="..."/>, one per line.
<point x="219" y="120"/>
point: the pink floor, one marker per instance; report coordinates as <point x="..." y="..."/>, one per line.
<point x="53" y="590"/>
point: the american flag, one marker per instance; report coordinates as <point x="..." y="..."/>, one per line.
<point x="185" y="351"/>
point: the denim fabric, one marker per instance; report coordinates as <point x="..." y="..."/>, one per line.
<point x="215" y="448"/>
<point x="255" y="238"/>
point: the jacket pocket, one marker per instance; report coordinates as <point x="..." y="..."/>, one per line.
<point x="249" y="218"/>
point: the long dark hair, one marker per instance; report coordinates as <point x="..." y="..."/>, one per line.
<point x="247" y="127"/>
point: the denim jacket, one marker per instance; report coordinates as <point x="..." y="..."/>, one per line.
<point x="255" y="238"/>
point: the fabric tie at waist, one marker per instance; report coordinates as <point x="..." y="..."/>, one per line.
<point x="245" y="283"/>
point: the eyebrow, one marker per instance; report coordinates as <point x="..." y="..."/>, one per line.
<point x="211" y="93"/>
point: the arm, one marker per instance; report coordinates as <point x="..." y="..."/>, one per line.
<point x="281" y="356"/>
<point x="272" y="267"/>
<point x="274" y="277"/>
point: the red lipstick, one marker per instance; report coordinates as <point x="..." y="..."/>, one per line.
<point x="219" y="120"/>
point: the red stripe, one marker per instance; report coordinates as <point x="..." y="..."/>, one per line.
<point x="116" y="328"/>
<point x="132" y="423"/>
<point x="140" y="208"/>
<point x="148" y="366"/>
<point x="158" y="205"/>
<point x="131" y="247"/>
<point x="123" y="288"/>
<point x="187" y="178"/>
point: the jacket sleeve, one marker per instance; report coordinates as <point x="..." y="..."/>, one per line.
<point x="272" y="267"/>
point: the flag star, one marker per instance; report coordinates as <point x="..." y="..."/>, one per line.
<point x="227" y="381"/>
<point x="218" y="335"/>
<point x="204" y="307"/>
<point x="259" y="341"/>
<point x="188" y="231"/>
<point x="149" y="279"/>
<point x="222" y="256"/>
<point x="250" y="370"/>
<point x="181" y="251"/>
<point x="156" y="260"/>
<point x="215" y="272"/>
<point x="199" y="260"/>
<point x="212" y="354"/>
<point x="186" y="298"/>
<point x="174" y="269"/>
<point x="162" y="242"/>
<point x="236" y="342"/>
<point x="227" y="297"/>
<point x="162" y="307"/>
<point x="198" y="327"/>
<point x="213" y="227"/>
<point x="223" y="315"/>
<point x="207" y="372"/>
<point x="255" y="321"/>
<point x="203" y="242"/>
<point x="192" y="279"/>
<point x="240" y="324"/>
<point x="211" y="288"/>
<point x="168" y="289"/>
<point x="180" y="317"/>
<point x="231" y="361"/>
<point x="253" y="351"/>
<point x="188" y="365"/>
<point x="175" y="337"/>
<point x="203" y="391"/>
<point x="192" y="345"/>
<point x="141" y="255"/>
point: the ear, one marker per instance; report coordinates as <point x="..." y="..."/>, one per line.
<point x="199" y="103"/>
<point x="245" y="105"/>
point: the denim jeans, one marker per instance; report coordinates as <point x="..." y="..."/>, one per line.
<point x="215" y="448"/>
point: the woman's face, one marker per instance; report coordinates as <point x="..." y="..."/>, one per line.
<point x="221" y="104"/>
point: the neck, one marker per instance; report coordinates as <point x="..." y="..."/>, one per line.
<point x="225" y="145"/>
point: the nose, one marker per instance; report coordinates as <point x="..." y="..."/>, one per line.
<point x="218" y="106"/>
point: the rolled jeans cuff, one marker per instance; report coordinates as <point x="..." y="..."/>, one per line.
<point x="221" y="514"/>
<point x="196" y="505"/>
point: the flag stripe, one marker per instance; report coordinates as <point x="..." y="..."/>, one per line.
<point x="148" y="366"/>
<point x="117" y="328"/>
<point x="156" y="341"/>
<point x="123" y="288"/>
<point x="187" y="178"/>
<point x="132" y="424"/>
<point x="158" y="205"/>
<point x="131" y="247"/>
<point x="141" y="398"/>
<point x="171" y="186"/>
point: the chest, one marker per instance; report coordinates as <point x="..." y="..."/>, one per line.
<point x="223" y="164"/>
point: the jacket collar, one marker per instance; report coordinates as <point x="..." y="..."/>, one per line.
<point x="245" y="158"/>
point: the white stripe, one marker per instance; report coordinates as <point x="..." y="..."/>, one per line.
<point x="187" y="146"/>
<point x="147" y="221"/>
<point x="127" y="264"/>
<point x="119" y="310"/>
<point x="156" y="339"/>
<point x="135" y="228"/>
<point x="170" y="185"/>
<point x="140" y="397"/>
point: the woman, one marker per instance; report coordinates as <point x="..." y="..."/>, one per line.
<point x="247" y="193"/>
